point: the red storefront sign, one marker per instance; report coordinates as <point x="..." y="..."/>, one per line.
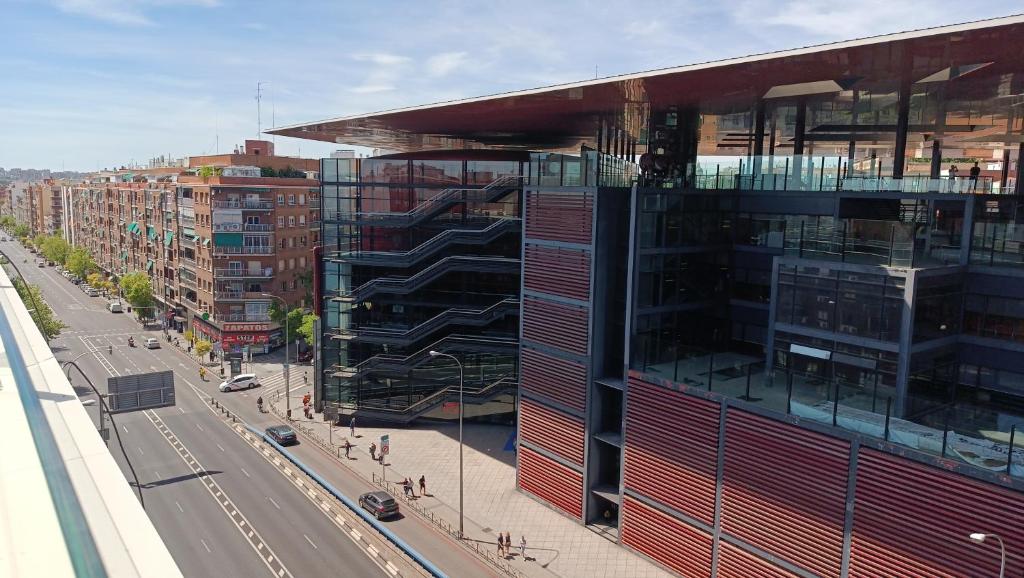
<point x="246" y="327"/>
<point x="210" y="331"/>
<point x="245" y="338"/>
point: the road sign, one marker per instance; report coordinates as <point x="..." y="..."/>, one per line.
<point x="140" y="391"/>
<point x="385" y="445"/>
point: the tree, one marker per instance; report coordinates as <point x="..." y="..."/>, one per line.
<point x="267" y="172"/>
<point x="32" y="297"/>
<point x="94" y="279"/>
<point x="80" y="262"/>
<point x="21" y="231"/>
<point x="306" y="327"/>
<point x="137" y="290"/>
<point x="203" y="348"/>
<point x="55" y="249"/>
<point x="189" y="335"/>
<point x="294" y="320"/>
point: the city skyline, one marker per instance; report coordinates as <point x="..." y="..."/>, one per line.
<point x="93" y="84"/>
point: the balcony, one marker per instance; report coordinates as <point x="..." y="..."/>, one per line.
<point x="239" y="295"/>
<point x="260" y="250"/>
<point x="264" y="273"/>
<point x="259" y="205"/>
<point x="247" y="227"/>
<point x="243" y="318"/>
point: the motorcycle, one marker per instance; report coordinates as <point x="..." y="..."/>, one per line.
<point x="131" y="342"/>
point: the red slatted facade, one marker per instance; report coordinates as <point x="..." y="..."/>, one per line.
<point x="734" y="562"/>
<point x="785" y="490"/>
<point x="557" y="271"/>
<point x="556" y="432"/>
<point x="560" y="380"/>
<point x="555" y="324"/>
<point x="672" y="449"/>
<point x="913" y="520"/>
<point x="675" y="544"/>
<point x="551" y="481"/>
<point x="559" y="216"/>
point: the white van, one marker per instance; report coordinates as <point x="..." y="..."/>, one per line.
<point x="115" y="307"/>
<point x="243" y="381"/>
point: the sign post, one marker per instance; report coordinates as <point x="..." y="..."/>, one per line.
<point x="385" y="449"/>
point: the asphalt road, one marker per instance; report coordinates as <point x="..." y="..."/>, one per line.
<point x="221" y="508"/>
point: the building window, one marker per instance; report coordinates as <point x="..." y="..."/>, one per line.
<point x="284" y="286"/>
<point x="291" y="263"/>
<point x="302" y="199"/>
<point x="291" y="199"/>
<point x="302" y="220"/>
<point x="302" y="262"/>
<point x="291" y="220"/>
<point x="280" y="222"/>
<point x="280" y="265"/>
<point x="291" y="242"/>
<point x="280" y="200"/>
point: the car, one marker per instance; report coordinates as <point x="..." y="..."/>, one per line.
<point x="380" y="504"/>
<point x="50" y="263"/>
<point x="115" y="307"/>
<point x="304" y="356"/>
<point x="152" y="343"/>
<point x="85" y="286"/>
<point x="92" y="292"/>
<point x="282" y="434"/>
<point x="242" y="381"/>
<point x="40" y="263"/>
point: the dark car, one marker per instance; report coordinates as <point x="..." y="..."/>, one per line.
<point x="304" y="356"/>
<point x="282" y="434"/>
<point x="380" y="504"/>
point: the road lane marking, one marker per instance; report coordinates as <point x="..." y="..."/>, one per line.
<point x="310" y="542"/>
<point x="205" y="546"/>
<point x="181" y="410"/>
<point x="221" y="448"/>
<point x="141" y="453"/>
<point x="200" y="427"/>
<point x="245" y="472"/>
<point x="179" y="507"/>
<point x="273" y="502"/>
<point x="124" y="428"/>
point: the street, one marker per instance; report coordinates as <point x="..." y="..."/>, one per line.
<point x="217" y="502"/>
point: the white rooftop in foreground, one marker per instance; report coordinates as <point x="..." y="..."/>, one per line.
<point x="65" y="507"/>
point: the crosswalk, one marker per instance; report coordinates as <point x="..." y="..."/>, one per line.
<point x="275" y="382"/>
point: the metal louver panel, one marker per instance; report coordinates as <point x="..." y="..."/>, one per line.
<point x="734" y="562"/>
<point x="560" y="380"/>
<point x="557" y="271"/>
<point x="559" y="216"/>
<point x="672" y="449"/>
<point x="552" y="482"/>
<point x="556" y="325"/>
<point x="552" y="430"/>
<point x="672" y="542"/>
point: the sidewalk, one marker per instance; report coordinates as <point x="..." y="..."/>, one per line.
<point x="556" y="545"/>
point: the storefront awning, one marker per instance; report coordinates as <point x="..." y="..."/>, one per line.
<point x="168" y="237"/>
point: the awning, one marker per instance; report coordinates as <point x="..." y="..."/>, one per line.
<point x="206" y="243"/>
<point x="132" y="227"/>
<point x="124" y="255"/>
<point x="151" y="232"/>
<point x="149" y="265"/>
<point x="227" y="239"/>
<point x="168" y="237"/>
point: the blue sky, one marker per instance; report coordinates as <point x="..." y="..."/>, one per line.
<point x="89" y="84"/>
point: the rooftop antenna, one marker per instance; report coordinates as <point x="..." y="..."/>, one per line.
<point x="259" y="110"/>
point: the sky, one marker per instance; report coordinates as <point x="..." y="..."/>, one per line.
<point x="91" y="84"/>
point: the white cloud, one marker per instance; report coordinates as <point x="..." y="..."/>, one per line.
<point x="124" y="12"/>
<point x="445" y="63"/>
<point x="371" y="88"/>
<point x="380" y="58"/>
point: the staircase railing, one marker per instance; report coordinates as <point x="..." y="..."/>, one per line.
<point x="447" y="343"/>
<point x="402" y="285"/>
<point x="432" y="245"/>
<point x="464" y="316"/>
<point x="430" y="401"/>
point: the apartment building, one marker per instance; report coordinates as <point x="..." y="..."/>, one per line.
<point x="219" y="241"/>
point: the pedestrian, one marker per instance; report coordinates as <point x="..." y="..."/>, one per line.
<point x="305" y="399"/>
<point x="352" y="426"/>
<point x="305" y="378"/>
<point x="423" y="485"/>
<point x="522" y="546"/>
<point x="953" y="171"/>
<point x="975" y="173"/>
<point x="348" y="448"/>
<point x="373" y="451"/>
<point x="405" y="487"/>
<point x="501" y="544"/>
<point x="508" y="544"/>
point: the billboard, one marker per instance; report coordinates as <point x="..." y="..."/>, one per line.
<point x="140" y="391"/>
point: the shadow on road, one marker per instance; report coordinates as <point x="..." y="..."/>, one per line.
<point x="176" y="479"/>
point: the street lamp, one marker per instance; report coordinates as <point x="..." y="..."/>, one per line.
<point x="461" y="382"/>
<point x="979" y="538"/>
<point x="287" y="389"/>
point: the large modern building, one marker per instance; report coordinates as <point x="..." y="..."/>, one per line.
<point x="771" y="312"/>
<point x="220" y="241"/>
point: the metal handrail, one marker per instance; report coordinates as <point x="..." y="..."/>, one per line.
<point x="446" y="196"/>
<point x="441" y="319"/>
<point x="430" y="400"/>
<point x="410" y="283"/>
<point x="435" y="243"/>
<point x="441" y="344"/>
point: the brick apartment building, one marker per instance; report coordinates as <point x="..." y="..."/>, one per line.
<point x="215" y="245"/>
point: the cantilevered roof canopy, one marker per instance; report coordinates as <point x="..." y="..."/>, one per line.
<point x="561" y="116"/>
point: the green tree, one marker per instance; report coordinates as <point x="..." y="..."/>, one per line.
<point x="294" y="320"/>
<point x="306" y="327"/>
<point x="21" y="231"/>
<point x="55" y="249"/>
<point x="137" y="291"/>
<point x="93" y="279"/>
<point x="49" y="325"/>
<point x="7" y="222"/>
<point x="267" y="172"/>
<point x="80" y="262"/>
<point x="189" y="335"/>
<point x="203" y="348"/>
<point x="38" y="241"/>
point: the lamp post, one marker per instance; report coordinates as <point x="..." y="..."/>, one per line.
<point x="979" y="538"/>
<point x="461" y="382"/>
<point x="287" y="388"/>
<point x="67" y="372"/>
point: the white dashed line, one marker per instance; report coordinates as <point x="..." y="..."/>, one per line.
<point x="125" y="429"/>
<point x="141" y="453"/>
<point x="200" y="427"/>
<point x="182" y="410"/>
<point x="205" y="546"/>
<point x="310" y="542"/>
<point x="273" y="502"/>
<point x="221" y="448"/>
<point x="245" y="472"/>
<point x="179" y="507"/>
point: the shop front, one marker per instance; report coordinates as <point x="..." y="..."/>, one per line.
<point x="260" y="337"/>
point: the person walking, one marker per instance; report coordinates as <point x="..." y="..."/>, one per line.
<point x="352" y="426"/>
<point x="423" y="485"/>
<point x="953" y="172"/>
<point x="373" y="451"/>
<point x="522" y="546"/>
<point x="501" y="545"/>
<point x="348" y="448"/>
<point x="508" y="544"/>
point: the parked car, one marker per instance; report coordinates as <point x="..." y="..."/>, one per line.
<point x="242" y="381"/>
<point x="92" y="292"/>
<point x="40" y="263"/>
<point x="283" y="435"/>
<point x="152" y="343"/>
<point x="380" y="504"/>
<point x="115" y="307"/>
